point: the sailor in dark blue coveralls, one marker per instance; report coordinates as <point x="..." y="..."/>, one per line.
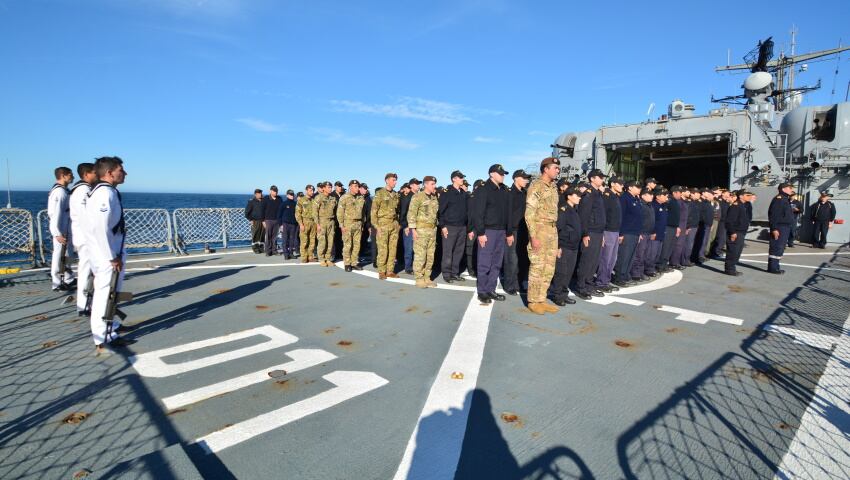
<point x="569" y="239"/>
<point x="738" y="219"/>
<point x="780" y="216"/>
<point x="631" y="222"/>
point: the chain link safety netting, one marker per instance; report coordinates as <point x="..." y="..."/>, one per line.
<point x="17" y="240"/>
<point x="148" y="230"/>
<point x="216" y="226"/>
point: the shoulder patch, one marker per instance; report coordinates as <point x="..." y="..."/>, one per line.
<point x="779" y="196"/>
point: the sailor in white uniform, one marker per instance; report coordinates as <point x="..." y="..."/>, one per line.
<point x="105" y="246"/>
<point x="77" y="204"/>
<point x="60" y="228"/>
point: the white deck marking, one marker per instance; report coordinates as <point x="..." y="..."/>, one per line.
<point x="150" y="364"/>
<point x="437" y="454"/>
<point x="216" y="267"/>
<point x="787" y="254"/>
<point x="301" y="359"/>
<point x="803" y="337"/>
<point x="407" y="281"/>
<point x="347" y="385"/>
<point x="191" y="255"/>
<point x="609" y="299"/>
<point x="666" y="280"/>
<point x="699" y="317"/>
<point x="820" y="448"/>
<point x="811" y="267"/>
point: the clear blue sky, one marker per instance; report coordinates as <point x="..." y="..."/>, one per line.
<point x="228" y="95"/>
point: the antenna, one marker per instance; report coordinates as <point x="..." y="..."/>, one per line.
<point x="8" y="186"/>
<point x="649" y="110"/>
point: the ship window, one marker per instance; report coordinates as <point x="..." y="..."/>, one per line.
<point x="627" y="165"/>
<point x="824" y="125"/>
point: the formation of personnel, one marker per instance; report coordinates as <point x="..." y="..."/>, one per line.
<point x="552" y="236"/>
<point x="90" y="217"/>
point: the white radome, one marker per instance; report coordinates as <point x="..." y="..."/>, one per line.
<point x="758" y="81"/>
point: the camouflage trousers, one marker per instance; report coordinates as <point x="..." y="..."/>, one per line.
<point x="387" y="241"/>
<point x="308" y="240"/>
<point x="351" y="243"/>
<point x="325" y="235"/>
<point x="423" y="252"/>
<point x="542" y="261"/>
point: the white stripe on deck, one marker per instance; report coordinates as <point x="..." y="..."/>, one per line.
<point x="407" y="281"/>
<point x="151" y="364"/>
<point x="347" y="385"/>
<point x="301" y="359"/>
<point x="820" y="448"/>
<point x="218" y="267"/>
<point x="436" y="456"/>
<point x="699" y="317"/>
<point x="787" y="254"/>
<point x="783" y="264"/>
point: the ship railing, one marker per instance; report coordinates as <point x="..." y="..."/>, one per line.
<point x="148" y="230"/>
<point x="204" y="227"/>
<point x="17" y="236"/>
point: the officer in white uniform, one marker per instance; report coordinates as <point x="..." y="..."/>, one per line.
<point x="77" y="204"/>
<point x="105" y="245"/>
<point x="60" y="228"/>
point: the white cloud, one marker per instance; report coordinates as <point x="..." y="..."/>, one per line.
<point x="261" y="125"/>
<point x="415" y="108"/>
<point x="480" y="139"/>
<point x="338" y="136"/>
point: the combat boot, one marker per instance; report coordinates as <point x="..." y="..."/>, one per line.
<point x="430" y="284"/>
<point x="382" y="276"/>
<point x="549" y="308"/>
<point x="421" y="283"/>
<point x="537" y="307"/>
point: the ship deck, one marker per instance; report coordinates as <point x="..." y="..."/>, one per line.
<point x="247" y="366"/>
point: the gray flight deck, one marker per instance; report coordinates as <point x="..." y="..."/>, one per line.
<point x="657" y="384"/>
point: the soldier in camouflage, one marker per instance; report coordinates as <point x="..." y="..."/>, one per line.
<point x="323" y="213"/>
<point x="541" y="213"/>
<point x="384" y="216"/>
<point x="422" y="221"/>
<point x="349" y="214"/>
<point x="306" y="224"/>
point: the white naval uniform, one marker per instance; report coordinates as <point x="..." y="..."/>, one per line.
<point x="104" y="242"/>
<point x="60" y="223"/>
<point x="77" y="204"/>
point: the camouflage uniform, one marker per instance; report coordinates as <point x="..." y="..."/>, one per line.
<point x="349" y="214"/>
<point x="323" y="214"/>
<point x="541" y="213"/>
<point x="384" y="217"/>
<point x="304" y="217"/>
<point x="422" y="215"/>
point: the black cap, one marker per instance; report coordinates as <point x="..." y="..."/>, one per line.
<point x="633" y="183"/>
<point x="661" y="191"/>
<point x="825" y="194"/>
<point x="563" y="181"/>
<point x="650" y="180"/>
<point x="647" y="191"/>
<point x="458" y="173"/>
<point x="596" y="173"/>
<point x="497" y="168"/>
<point x="744" y="191"/>
<point x="273" y="188"/>
<point x="338" y="184"/>
<point x="584" y="184"/>
<point x="521" y="173"/>
<point x="615" y="180"/>
<point x="290" y="192"/>
<point x="785" y="185"/>
<point x="404" y="185"/>
<point x="465" y="183"/>
<point x="675" y="188"/>
<point x="363" y="185"/>
<point x="352" y="182"/>
<point x="478" y="183"/>
<point x="258" y="190"/>
<point x="572" y="191"/>
<point x="414" y="180"/>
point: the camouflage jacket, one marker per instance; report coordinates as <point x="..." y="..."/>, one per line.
<point x="323" y="208"/>
<point x="304" y="211"/>
<point x="541" y="205"/>
<point x="423" y="211"/>
<point x="384" y="207"/>
<point x="350" y="210"/>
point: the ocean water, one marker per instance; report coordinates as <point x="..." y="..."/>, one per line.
<point x="35" y="201"/>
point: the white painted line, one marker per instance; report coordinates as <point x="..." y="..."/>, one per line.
<point x="699" y="317"/>
<point x="217" y="267"/>
<point x="666" y="280"/>
<point x="301" y="359"/>
<point x="609" y="299"/>
<point x="803" y="337"/>
<point x="150" y="364"/>
<point x="437" y="454"/>
<point x="407" y="281"/>
<point x="787" y="254"/>
<point x="821" y="448"/>
<point x="191" y="255"/>
<point x="798" y="266"/>
<point x="347" y="385"/>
